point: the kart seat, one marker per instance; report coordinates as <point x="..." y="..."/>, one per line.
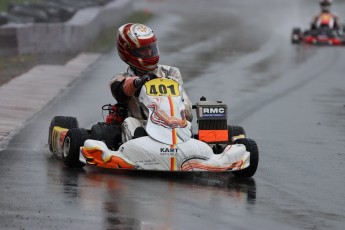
<point x="139" y="132"/>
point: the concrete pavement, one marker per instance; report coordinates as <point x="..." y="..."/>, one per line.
<point x="24" y="96"/>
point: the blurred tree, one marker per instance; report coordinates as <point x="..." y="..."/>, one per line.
<point x="4" y="3"/>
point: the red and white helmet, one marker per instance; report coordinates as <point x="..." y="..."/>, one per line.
<point x="137" y="46"/>
<point x="325" y="5"/>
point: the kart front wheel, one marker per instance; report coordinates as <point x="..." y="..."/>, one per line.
<point x="251" y="147"/>
<point x="74" y="139"/>
<point x="296" y="36"/>
<point x="63" y="122"/>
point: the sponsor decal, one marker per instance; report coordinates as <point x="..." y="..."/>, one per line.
<point x="142" y="28"/>
<point x="169" y="152"/>
<point x="126" y="131"/>
<point x="213" y="112"/>
<point x="147" y="162"/>
<point x="57" y="137"/>
<point x="161" y="117"/>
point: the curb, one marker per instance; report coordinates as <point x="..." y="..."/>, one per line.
<point x="25" y="95"/>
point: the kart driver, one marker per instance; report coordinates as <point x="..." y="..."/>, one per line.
<point x="137" y="47"/>
<point x="325" y="19"/>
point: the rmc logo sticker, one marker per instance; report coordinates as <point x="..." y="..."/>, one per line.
<point x="215" y="111"/>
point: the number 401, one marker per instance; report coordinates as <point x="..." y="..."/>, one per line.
<point x="162" y="89"/>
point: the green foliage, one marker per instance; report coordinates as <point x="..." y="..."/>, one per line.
<point x="106" y="39"/>
<point x="4" y="3"/>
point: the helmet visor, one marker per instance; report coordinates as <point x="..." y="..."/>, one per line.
<point x="147" y="51"/>
<point x="325" y="3"/>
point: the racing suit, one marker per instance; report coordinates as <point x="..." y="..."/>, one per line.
<point x="328" y="20"/>
<point x="123" y="90"/>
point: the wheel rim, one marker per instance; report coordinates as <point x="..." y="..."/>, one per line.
<point x="66" y="147"/>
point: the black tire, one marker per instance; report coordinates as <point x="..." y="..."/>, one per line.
<point x="74" y="139"/>
<point x="294" y="41"/>
<point x="235" y="132"/>
<point x="63" y="122"/>
<point x="296" y="32"/>
<point x="251" y="147"/>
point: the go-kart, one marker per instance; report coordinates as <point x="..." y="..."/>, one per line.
<point x="165" y="143"/>
<point x="323" y="36"/>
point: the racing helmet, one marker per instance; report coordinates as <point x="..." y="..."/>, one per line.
<point x="137" y="46"/>
<point x="325" y="5"/>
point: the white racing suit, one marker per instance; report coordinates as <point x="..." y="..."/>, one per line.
<point x="123" y="90"/>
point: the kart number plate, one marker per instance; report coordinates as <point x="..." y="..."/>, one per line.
<point x="162" y="87"/>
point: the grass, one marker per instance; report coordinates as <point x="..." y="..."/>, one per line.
<point x="5" y="3"/>
<point x="12" y="66"/>
<point x="106" y="38"/>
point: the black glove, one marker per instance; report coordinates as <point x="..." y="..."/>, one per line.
<point x="140" y="81"/>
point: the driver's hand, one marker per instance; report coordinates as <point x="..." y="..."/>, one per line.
<point x="140" y="81"/>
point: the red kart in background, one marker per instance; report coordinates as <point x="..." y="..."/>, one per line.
<point x="321" y="36"/>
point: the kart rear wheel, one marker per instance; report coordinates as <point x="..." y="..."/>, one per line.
<point x="63" y="122"/>
<point x="74" y="139"/>
<point x="251" y="147"/>
<point x="235" y="132"/>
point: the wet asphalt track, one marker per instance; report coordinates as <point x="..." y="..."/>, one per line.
<point x="291" y="100"/>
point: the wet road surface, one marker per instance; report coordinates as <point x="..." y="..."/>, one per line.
<point x="291" y="100"/>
